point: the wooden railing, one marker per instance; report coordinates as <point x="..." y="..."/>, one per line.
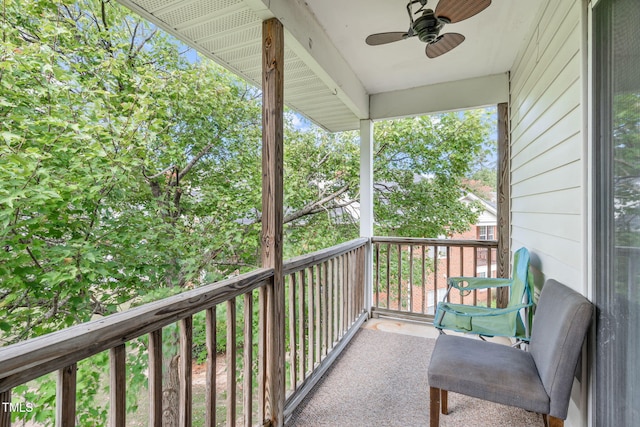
<point x="410" y="274"/>
<point x="62" y="351"/>
<point x="325" y="304"/>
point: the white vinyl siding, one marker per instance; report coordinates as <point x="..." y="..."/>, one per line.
<point x="547" y="151"/>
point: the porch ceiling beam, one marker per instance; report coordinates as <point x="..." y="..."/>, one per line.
<point x="308" y="40"/>
<point x="457" y="95"/>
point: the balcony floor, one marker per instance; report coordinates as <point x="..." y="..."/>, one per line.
<point x="381" y="379"/>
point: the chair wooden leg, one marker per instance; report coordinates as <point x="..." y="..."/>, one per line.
<point x="555" y="422"/>
<point x="444" y="401"/>
<point x="550" y="421"/>
<point x="434" y="407"/>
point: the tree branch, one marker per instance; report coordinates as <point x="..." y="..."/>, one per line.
<point x="142" y="43"/>
<point x="133" y="37"/>
<point x="313" y="206"/>
<point x="159" y="174"/>
<point x="195" y="160"/>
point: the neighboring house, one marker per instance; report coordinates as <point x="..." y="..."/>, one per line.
<point x="486" y="228"/>
<point x="467" y="263"/>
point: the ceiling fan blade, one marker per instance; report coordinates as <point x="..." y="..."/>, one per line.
<point x="384" y="38"/>
<point x="443" y="44"/>
<point x="459" y="10"/>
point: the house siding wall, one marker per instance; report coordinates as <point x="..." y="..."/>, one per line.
<point x="549" y="156"/>
<point x="548" y="140"/>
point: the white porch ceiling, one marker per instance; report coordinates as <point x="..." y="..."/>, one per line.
<point x="331" y="75"/>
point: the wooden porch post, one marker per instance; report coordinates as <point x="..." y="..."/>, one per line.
<point x="272" y="217"/>
<point x="366" y="204"/>
<point x="504" y="200"/>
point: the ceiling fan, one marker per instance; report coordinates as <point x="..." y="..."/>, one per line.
<point x="427" y="27"/>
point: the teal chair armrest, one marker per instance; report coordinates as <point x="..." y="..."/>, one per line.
<point x="471" y="283"/>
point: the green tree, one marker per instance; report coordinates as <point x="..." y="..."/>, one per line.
<point x="124" y="167"/>
<point x="419" y="169"/>
<point x="420" y="165"/>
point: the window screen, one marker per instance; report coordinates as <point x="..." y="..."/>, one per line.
<point x="617" y="194"/>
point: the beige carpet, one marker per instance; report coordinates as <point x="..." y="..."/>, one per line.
<point x="381" y="380"/>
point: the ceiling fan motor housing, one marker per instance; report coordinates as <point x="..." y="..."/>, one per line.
<point x="428" y="26"/>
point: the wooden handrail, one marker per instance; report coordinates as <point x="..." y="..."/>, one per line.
<point x="293" y="265"/>
<point x="435" y="242"/>
<point x="27" y="360"/>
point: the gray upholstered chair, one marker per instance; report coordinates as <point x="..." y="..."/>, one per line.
<point x="537" y="380"/>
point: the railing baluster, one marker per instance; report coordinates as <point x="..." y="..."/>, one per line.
<point x="352" y="288"/>
<point x="436" y="261"/>
<point x="388" y="276"/>
<point x="358" y="289"/>
<point x="66" y="396"/>
<point x="399" y="277"/>
<point x="330" y="285"/>
<point x="360" y="281"/>
<point x="346" y="271"/>
<point x="448" y="272"/>
<point x="186" y="351"/>
<point x="262" y="353"/>
<point x="475" y="274"/>
<point x="336" y="297"/>
<point x="489" y="275"/>
<point x="410" y="279"/>
<point x="325" y="308"/>
<point x="347" y="284"/>
<point x="317" y="311"/>
<point x="293" y="367"/>
<point x="210" y="387"/>
<point x="118" y="393"/>
<point x="353" y="259"/>
<point x="377" y="288"/>
<point x="247" y="386"/>
<point x="310" y="319"/>
<point x="423" y="259"/>
<point x="231" y="362"/>
<point x="345" y="290"/>
<point x="155" y="378"/>
<point x="363" y="265"/>
<point x="355" y="287"/>
<point x="301" y="340"/>
<point x="489" y="258"/>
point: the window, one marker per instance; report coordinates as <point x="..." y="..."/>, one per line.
<point x="486" y="232"/>
<point x="616" y="157"/>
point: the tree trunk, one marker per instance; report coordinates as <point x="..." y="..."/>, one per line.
<point x="171" y="394"/>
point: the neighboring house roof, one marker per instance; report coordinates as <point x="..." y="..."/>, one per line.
<point x="489" y="215"/>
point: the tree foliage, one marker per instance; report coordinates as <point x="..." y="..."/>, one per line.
<point x="123" y="165"/>
<point x="419" y="167"/>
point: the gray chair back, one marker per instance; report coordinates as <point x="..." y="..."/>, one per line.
<point x="559" y="328"/>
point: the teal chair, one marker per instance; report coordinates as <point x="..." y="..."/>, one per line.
<point x="487" y="321"/>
